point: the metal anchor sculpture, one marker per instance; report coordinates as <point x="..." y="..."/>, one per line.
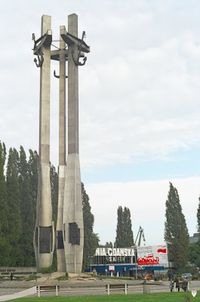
<point x="76" y="44"/>
<point x="43" y="41"/>
<point x="77" y="62"/>
<point x="57" y="76"/>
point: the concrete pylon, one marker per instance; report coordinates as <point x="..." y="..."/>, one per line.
<point x="44" y="228"/>
<point x="61" y="265"/>
<point x="73" y="232"/>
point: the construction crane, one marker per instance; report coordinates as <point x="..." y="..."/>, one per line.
<point x="140" y="237"/>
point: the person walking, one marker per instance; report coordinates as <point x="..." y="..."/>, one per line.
<point x="171" y="285"/>
<point x="184" y="285"/>
<point x="177" y="282"/>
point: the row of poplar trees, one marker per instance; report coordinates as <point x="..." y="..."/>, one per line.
<point x="18" y="197"/>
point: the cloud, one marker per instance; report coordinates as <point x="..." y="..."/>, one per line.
<point x="154" y="91"/>
<point x="146" y="201"/>
<point x="138" y="91"/>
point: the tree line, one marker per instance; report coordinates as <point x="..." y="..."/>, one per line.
<point x="182" y="255"/>
<point x="18" y="197"/>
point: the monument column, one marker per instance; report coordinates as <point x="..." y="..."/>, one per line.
<point x="44" y="229"/>
<point x="74" y="225"/>
<point x="73" y="232"/>
<point x="73" y="104"/>
<point x="61" y="266"/>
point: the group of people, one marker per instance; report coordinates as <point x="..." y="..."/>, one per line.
<point x="178" y="284"/>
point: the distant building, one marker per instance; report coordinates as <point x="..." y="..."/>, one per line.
<point x="195" y="238"/>
<point x="131" y="261"/>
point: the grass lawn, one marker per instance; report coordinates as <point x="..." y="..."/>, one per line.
<point x="157" y="297"/>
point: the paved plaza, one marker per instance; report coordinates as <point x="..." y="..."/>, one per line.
<point x="84" y="287"/>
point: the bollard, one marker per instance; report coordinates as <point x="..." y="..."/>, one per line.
<point x="125" y="289"/>
<point x="57" y="290"/>
<point x="146" y="288"/>
<point x="38" y="288"/>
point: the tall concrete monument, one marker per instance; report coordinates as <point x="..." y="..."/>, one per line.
<point x="44" y="228"/>
<point x="69" y="229"/>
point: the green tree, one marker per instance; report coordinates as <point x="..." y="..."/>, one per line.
<point x="33" y="175"/>
<point x="13" y="200"/>
<point x="198" y="217"/>
<point x="124" y="233"/>
<point x="176" y="232"/>
<point x="119" y="241"/>
<point x="128" y="227"/>
<point x="91" y="239"/>
<point x="4" y="243"/>
<point x="108" y="244"/>
<point x="194" y="254"/>
<point x="26" y="211"/>
<point x="194" y="248"/>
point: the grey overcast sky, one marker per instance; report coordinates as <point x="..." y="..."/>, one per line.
<point x="139" y="102"/>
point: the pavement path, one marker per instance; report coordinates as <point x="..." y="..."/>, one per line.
<point x="15" y="289"/>
<point x="27" y="292"/>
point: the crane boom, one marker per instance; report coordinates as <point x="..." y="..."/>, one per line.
<point x="140" y="236"/>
